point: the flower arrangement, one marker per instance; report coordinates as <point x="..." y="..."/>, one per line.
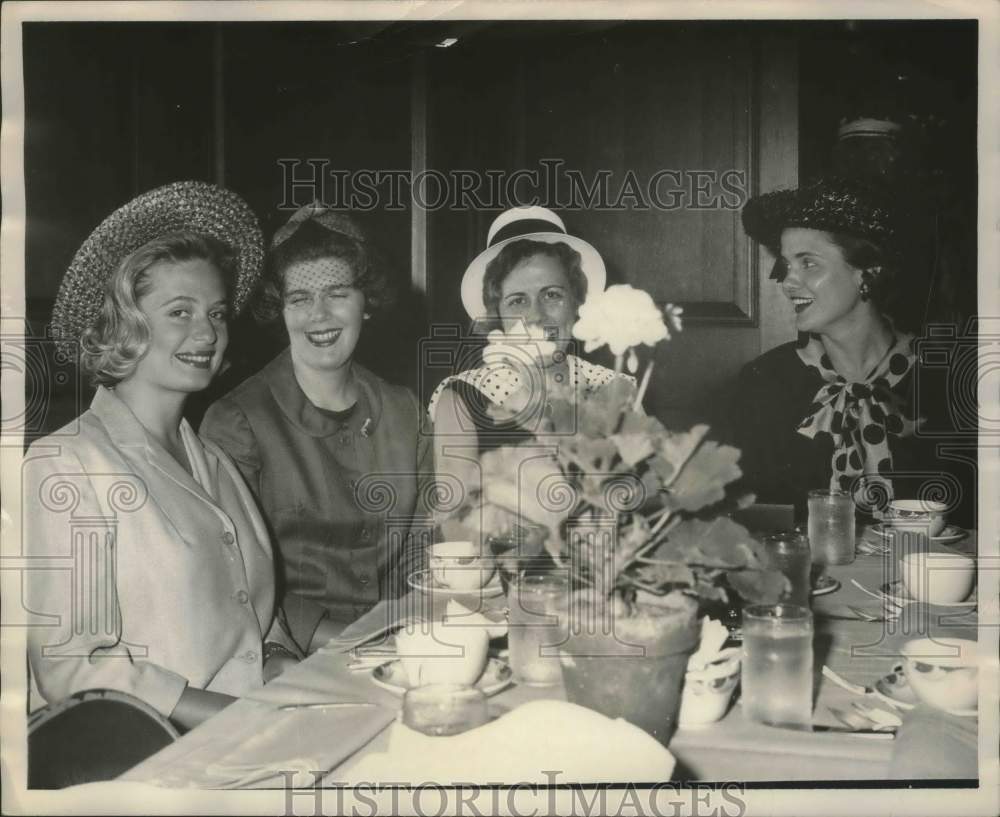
<point x="633" y="510"/>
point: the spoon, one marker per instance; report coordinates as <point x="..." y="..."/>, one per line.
<point x="861" y="724"/>
<point x="326" y="705"/>
<point x="880" y="717"/>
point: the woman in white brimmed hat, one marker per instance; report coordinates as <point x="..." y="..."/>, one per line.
<point x="172" y="581"/>
<point x="532" y="278"/>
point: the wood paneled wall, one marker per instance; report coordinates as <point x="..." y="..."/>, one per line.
<point x="113" y="110"/>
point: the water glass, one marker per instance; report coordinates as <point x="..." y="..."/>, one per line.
<point x="831" y="527"/>
<point x="778" y="665"/>
<point x="444" y="709"/>
<point x="789" y="552"/>
<point x="537" y="626"/>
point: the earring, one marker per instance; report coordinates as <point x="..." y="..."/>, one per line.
<point x="865" y="288"/>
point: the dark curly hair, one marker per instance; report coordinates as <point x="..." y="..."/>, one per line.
<point x="514" y="253"/>
<point x="884" y="287"/>
<point x="312" y="241"/>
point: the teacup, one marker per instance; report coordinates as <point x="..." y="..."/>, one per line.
<point x="707" y="691"/>
<point x="433" y="653"/>
<point x="918" y="512"/>
<point x="460" y="565"/>
<point x="938" y="578"/>
<point x="943" y="672"/>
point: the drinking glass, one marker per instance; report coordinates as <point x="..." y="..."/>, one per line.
<point x="831" y="526"/>
<point x="789" y="552"/>
<point x="538" y="619"/>
<point x="778" y="665"/>
<point x="444" y="709"/>
<point x="519" y="550"/>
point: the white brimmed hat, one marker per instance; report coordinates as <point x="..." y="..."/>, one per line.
<point x="537" y="224"/>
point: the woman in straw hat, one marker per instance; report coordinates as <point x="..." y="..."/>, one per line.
<point x="532" y="278"/>
<point x="837" y="408"/>
<point x="333" y="452"/>
<point x="171" y="582"/>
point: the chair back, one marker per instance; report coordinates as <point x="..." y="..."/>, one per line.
<point x="94" y="735"/>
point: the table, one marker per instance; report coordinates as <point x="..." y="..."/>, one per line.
<point x="732" y="749"/>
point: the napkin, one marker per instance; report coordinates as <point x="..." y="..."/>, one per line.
<point x="935" y="745"/>
<point x="321" y="678"/>
<point x="713" y="635"/>
<point x="295" y="749"/>
<point x="529" y="744"/>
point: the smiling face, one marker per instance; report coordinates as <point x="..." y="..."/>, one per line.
<point x="186" y="309"/>
<point x="323" y="313"/>
<point x="537" y="292"/>
<point x="822" y="286"/>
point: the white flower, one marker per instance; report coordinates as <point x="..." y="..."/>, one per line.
<point x="622" y="317"/>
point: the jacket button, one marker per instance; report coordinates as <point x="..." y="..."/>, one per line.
<point x="364" y="578"/>
<point x="228" y="538"/>
<point x="250" y="656"/>
<point x="242" y="597"/>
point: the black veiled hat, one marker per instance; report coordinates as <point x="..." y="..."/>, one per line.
<point x="190" y="206"/>
<point x="856" y="207"/>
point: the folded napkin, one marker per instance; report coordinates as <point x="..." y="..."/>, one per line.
<point x="324" y="677"/>
<point x="527" y="744"/>
<point x="296" y="749"/>
<point x="935" y="745"/>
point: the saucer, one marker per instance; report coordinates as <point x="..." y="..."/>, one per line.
<point x="951" y="533"/>
<point x="895" y="592"/>
<point x="824" y="585"/>
<point x="422" y="580"/>
<point x="391" y="676"/>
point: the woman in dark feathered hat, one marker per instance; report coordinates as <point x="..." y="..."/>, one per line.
<point x="836" y="408"/>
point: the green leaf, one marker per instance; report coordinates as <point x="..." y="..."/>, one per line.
<point x="663" y="469"/>
<point x="676" y="448"/>
<point x="758" y="586"/>
<point x="633" y="448"/>
<point x="661" y="574"/>
<point x="715" y="543"/>
<point x="703" y="479"/>
<point x="637" y="437"/>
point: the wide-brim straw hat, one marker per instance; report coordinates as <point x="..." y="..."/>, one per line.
<point x="190" y="206"/>
<point x="856" y="207"/>
<point x="537" y="224"/>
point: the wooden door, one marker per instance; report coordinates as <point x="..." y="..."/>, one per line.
<point x="647" y="140"/>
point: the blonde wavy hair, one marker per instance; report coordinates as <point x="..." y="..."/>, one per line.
<point x="117" y="341"/>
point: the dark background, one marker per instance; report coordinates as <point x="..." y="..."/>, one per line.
<point x="116" y="109"/>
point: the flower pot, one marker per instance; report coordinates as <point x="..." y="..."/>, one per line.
<point x="636" y="670"/>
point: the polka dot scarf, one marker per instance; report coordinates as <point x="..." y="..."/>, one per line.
<point x="859" y="416"/>
<point x="499" y="381"/>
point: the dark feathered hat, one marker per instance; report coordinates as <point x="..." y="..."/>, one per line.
<point x="856" y="207"/>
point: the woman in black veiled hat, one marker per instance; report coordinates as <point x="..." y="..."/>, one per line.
<point x="837" y="407"/>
